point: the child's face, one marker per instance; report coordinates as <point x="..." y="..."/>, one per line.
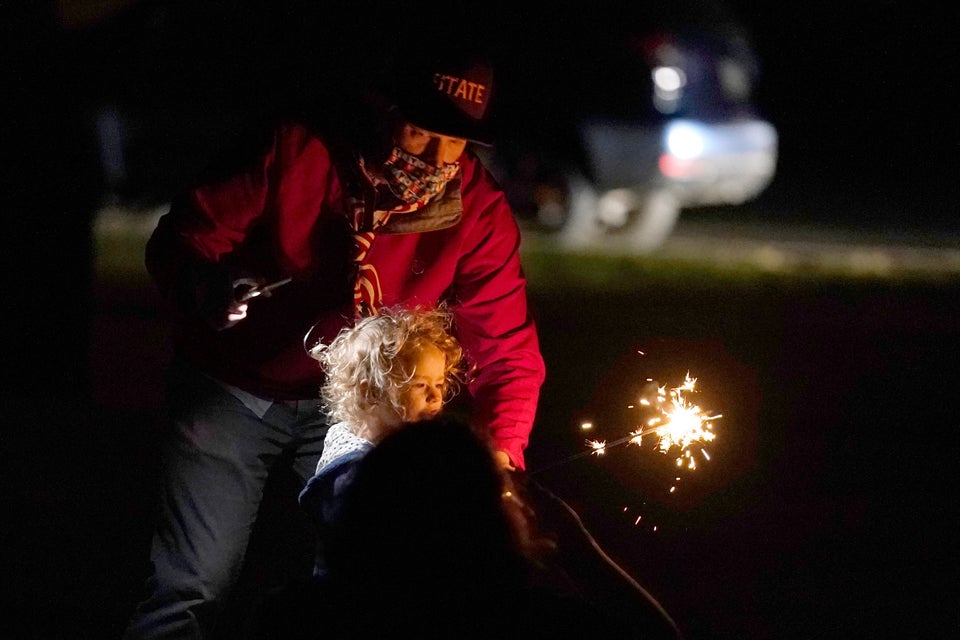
<point x="422" y="398"/>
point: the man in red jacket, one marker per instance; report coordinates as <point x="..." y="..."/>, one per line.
<point x="384" y="205"/>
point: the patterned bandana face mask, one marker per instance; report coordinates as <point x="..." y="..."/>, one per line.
<point x="413" y="180"/>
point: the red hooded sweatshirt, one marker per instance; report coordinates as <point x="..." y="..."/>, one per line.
<point x="284" y="215"/>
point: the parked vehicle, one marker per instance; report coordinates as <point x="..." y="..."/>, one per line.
<point x="642" y="120"/>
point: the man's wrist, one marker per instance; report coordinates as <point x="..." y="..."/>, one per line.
<point x="503" y="460"/>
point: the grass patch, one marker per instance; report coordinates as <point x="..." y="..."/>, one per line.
<point x="120" y="238"/>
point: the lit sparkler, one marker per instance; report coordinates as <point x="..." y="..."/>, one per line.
<point x="675" y="422"/>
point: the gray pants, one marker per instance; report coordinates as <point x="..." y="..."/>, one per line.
<point x="219" y="450"/>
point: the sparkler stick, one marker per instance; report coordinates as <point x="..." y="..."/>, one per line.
<point x="582" y="454"/>
<point x="263" y="290"/>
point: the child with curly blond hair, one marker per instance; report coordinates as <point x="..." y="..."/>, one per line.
<point x="398" y="367"/>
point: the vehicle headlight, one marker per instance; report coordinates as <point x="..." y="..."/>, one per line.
<point x="684" y="139"/>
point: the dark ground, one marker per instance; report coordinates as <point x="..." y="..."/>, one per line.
<point x="824" y="511"/>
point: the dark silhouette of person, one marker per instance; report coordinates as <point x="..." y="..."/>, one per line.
<point x="432" y="539"/>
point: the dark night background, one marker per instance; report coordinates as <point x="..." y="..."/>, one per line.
<point x="863" y="97"/>
<point x="858" y="91"/>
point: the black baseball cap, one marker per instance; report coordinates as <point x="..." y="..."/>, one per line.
<point x="449" y="93"/>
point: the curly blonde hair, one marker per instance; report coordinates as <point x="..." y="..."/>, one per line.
<point x="367" y="365"/>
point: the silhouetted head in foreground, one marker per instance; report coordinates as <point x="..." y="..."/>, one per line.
<point x="433" y="539"/>
<point x="423" y="524"/>
<point x="430" y="542"/>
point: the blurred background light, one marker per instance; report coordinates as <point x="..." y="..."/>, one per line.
<point x="668" y="83"/>
<point x="684" y="139"/>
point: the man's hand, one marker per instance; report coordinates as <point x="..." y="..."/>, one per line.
<point x="221" y="301"/>
<point x="503" y="460"/>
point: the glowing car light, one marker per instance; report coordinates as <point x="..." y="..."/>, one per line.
<point x="674" y="167"/>
<point x="668" y="84"/>
<point x="669" y="79"/>
<point x="684" y="140"/>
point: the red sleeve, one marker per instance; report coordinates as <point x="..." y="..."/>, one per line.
<point x="275" y="173"/>
<point x="493" y="320"/>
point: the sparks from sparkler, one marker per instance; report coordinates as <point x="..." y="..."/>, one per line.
<point x="677" y="422"/>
